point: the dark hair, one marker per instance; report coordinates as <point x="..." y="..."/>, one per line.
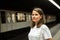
<point x="40" y="11"/>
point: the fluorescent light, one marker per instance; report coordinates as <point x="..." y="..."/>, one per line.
<point x="53" y="2"/>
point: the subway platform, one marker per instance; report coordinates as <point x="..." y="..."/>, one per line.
<point x="22" y="34"/>
<point x="55" y="31"/>
<point x="57" y="36"/>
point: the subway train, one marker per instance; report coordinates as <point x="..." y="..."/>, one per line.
<point x="13" y="20"/>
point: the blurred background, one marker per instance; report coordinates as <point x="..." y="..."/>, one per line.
<point x="15" y="18"/>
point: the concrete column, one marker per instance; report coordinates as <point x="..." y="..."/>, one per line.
<point x="13" y="18"/>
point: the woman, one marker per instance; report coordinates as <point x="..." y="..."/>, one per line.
<point x="39" y="31"/>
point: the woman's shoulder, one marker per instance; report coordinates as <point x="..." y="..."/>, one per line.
<point x="44" y="27"/>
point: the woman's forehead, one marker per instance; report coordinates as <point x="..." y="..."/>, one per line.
<point x="35" y="12"/>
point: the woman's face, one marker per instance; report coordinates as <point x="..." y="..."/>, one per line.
<point x="36" y="16"/>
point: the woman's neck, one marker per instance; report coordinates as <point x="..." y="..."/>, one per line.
<point x="38" y="25"/>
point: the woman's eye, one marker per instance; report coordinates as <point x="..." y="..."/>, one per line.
<point x="36" y="14"/>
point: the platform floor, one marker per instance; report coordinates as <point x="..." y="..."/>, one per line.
<point x="22" y="34"/>
<point x="57" y="36"/>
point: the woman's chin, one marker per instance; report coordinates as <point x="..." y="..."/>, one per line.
<point x="34" y="21"/>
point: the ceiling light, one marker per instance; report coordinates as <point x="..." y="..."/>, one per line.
<point x="53" y="2"/>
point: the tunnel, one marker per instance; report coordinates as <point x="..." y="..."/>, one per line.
<point x="15" y="17"/>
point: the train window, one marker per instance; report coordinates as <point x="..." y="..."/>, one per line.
<point x="3" y="17"/>
<point x="8" y="17"/>
<point x="51" y="18"/>
<point x="20" y="17"/>
<point x="28" y="17"/>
